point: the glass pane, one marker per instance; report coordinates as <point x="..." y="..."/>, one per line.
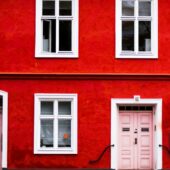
<point x="128" y="8"/>
<point x="46" y="108"/>
<point x="145" y="8"/>
<point x="48" y="7"/>
<point x="65" y="35"/>
<point x="65" y="8"/>
<point x="49" y="38"/>
<point x="53" y="36"/>
<point x="64" y="108"/>
<point x="46" y="36"/>
<point x="64" y="133"/>
<point x="144" y="36"/>
<point x="46" y="139"/>
<point x="128" y="35"/>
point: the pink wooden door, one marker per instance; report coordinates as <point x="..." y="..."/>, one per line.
<point x="145" y="140"/>
<point x="135" y="140"/>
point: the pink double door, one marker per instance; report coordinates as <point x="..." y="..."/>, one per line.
<point x="135" y="140"/>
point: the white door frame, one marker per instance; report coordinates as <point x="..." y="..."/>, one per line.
<point x="4" y="127"/>
<point x="157" y="103"/>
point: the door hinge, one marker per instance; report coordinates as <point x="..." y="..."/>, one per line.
<point x="155" y="127"/>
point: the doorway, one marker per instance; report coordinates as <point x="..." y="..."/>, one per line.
<point x="135" y="137"/>
<point x="136" y="131"/>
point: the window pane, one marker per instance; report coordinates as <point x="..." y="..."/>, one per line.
<point x="48" y="7"/>
<point x="65" y="8"/>
<point x="128" y="35"/>
<point x="49" y="35"/>
<point x="46" y="36"/>
<point x="46" y="133"/>
<point x="65" y="35"/>
<point x="64" y="133"/>
<point x="144" y="8"/>
<point x="127" y="8"/>
<point x="53" y="35"/>
<point x="46" y="108"/>
<point x="64" y="108"/>
<point x="144" y="36"/>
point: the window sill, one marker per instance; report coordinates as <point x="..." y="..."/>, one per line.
<point x="56" y="55"/>
<point x="141" y="55"/>
<point x="55" y="151"/>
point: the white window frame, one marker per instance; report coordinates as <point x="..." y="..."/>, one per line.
<point x="154" y="32"/>
<point x="4" y="153"/>
<point x="55" y="97"/>
<point x="39" y="31"/>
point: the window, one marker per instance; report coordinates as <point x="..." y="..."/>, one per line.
<point x="55" y="124"/>
<point x="57" y="28"/>
<point x="136" y="29"/>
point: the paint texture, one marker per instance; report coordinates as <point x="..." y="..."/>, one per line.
<point x="94" y="118"/>
<point x="96" y="41"/>
<point x="96" y="55"/>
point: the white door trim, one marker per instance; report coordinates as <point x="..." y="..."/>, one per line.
<point x="114" y="128"/>
<point x="4" y="127"/>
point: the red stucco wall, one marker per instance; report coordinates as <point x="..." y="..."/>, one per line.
<point x="94" y="113"/>
<point x="96" y="41"/>
<point x="96" y="55"/>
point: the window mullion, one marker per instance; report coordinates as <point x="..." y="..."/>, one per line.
<point x="136" y="27"/>
<point x="42" y="34"/>
<point x="50" y="35"/>
<point x="72" y="25"/>
<point x="55" y="124"/>
<point x="72" y="34"/>
<point x="57" y="24"/>
<point x="152" y="27"/>
<point x="39" y="124"/>
<point x="72" y="125"/>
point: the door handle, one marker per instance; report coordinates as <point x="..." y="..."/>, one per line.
<point x="136" y="141"/>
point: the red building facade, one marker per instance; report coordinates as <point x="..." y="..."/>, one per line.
<point x="98" y="83"/>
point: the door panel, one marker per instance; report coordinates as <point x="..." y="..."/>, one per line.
<point x="145" y="136"/>
<point x="126" y="148"/>
<point x="135" y="140"/>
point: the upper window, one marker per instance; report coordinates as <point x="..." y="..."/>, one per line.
<point x="136" y="29"/>
<point x="55" y="124"/>
<point x="57" y="28"/>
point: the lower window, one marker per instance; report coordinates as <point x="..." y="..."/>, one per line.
<point x="55" y="124"/>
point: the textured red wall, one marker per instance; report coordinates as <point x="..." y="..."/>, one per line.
<point x="96" y="41"/>
<point x="94" y="118"/>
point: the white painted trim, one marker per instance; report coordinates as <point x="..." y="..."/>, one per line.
<point x="75" y="32"/>
<point x="154" y="34"/>
<point x="114" y="128"/>
<point x="74" y="117"/>
<point x="4" y="127"/>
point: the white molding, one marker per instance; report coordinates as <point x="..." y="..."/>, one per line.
<point x="4" y="127"/>
<point x="54" y="97"/>
<point x="154" y="35"/>
<point x="114" y="128"/>
<point x="75" y="32"/>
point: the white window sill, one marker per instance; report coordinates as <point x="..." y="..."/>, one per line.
<point x="55" y="151"/>
<point x="132" y="55"/>
<point x="56" y="55"/>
